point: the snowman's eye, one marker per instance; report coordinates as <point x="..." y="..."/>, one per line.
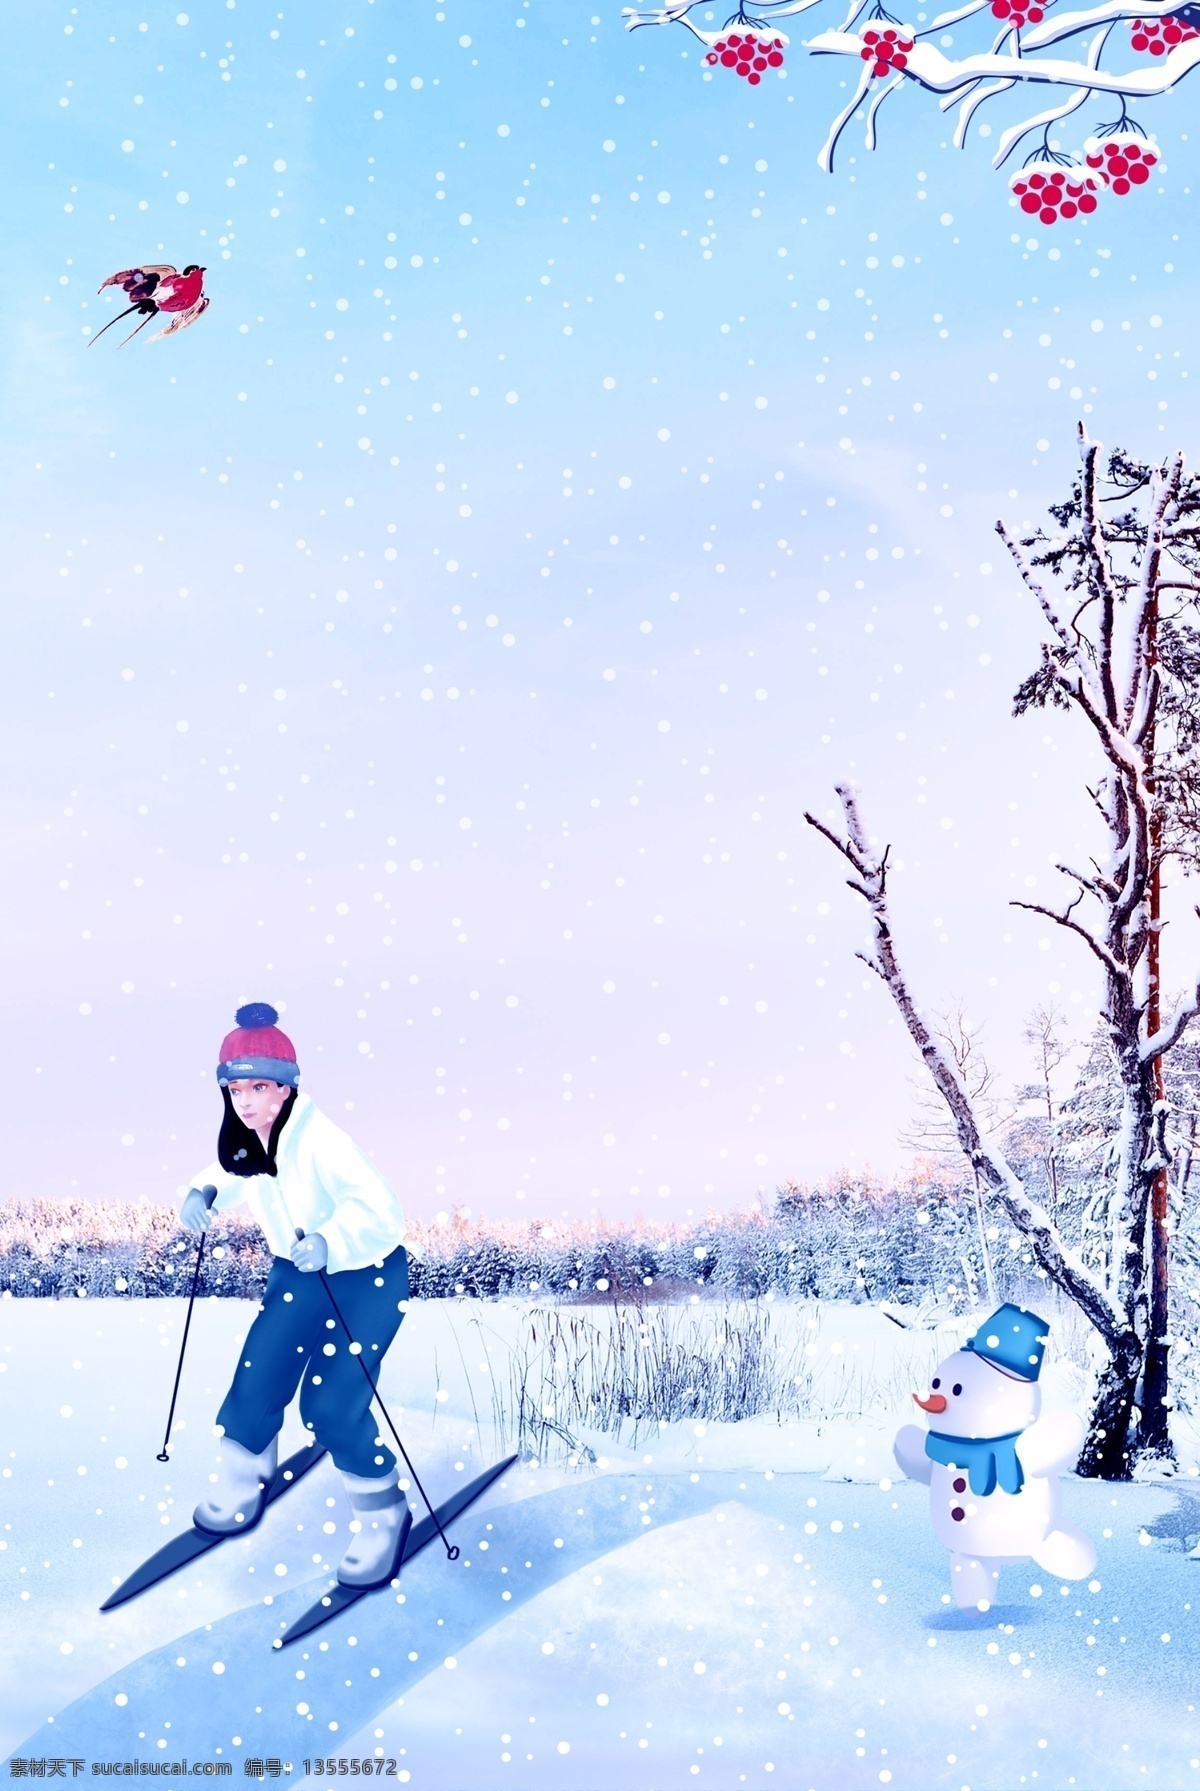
<point x="936" y="1384"/>
<point x="956" y="1389"/>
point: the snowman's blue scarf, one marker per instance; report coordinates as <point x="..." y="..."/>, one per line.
<point x="989" y="1461"/>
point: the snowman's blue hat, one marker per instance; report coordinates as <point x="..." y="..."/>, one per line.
<point x="1012" y="1340"/>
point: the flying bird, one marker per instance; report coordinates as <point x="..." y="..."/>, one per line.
<point x="154" y="289"/>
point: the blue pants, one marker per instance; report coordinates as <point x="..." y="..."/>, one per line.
<point x="297" y="1337"/>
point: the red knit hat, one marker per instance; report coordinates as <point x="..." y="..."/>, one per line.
<point x="258" y="1048"/>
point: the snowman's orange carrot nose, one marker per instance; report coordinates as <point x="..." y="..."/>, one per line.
<point x="935" y="1403"/>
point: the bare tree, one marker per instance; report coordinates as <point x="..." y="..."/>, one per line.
<point x="1043" y="1032"/>
<point x="933" y="1129"/>
<point x="1115" y="588"/>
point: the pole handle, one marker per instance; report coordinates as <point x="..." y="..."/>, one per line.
<point x="209" y="1194"/>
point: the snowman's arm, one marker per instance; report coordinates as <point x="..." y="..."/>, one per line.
<point x="909" y="1450"/>
<point x="1051" y="1445"/>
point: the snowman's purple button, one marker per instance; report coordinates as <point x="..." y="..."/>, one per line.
<point x="960" y="1485"/>
<point x="958" y="1514"/>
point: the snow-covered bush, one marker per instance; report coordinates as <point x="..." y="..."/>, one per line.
<point x="79" y="1248"/>
<point x="852" y="1238"/>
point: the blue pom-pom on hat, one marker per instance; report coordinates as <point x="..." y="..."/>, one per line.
<point x="257" y="1013"/>
<point x="1012" y="1340"/>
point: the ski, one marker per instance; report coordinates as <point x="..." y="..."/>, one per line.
<point x="194" y="1542"/>
<point x="340" y="1598"/>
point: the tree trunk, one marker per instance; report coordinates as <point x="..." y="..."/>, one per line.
<point x="1154" y="1432"/>
<point x="1107" y="1453"/>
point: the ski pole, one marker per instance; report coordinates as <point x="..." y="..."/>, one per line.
<point x="450" y="1547"/>
<point x="210" y="1194"/>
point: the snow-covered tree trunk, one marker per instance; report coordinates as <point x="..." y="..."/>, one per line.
<point x="1130" y="672"/>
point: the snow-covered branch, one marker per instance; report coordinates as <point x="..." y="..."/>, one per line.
<point x="892" y="53"/>
<point x="1168" y="1036"/>
<point x="940" y="74"/>
<point x="678" y="14"/>
<point x="1069" y="24"/>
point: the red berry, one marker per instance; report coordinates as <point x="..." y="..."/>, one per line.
<point x="1088" y="202"/>
<point x="1036" y="15"/>
<point x="1047" y="215"/>
<point x="729" y="60"/>
<point x="881" y="68"/>
<point x="900" y="62"/>
<point x="1139" y="40"/>
<point x="1030" y="203"/>
<point x="1120" y="186"/>
<point x="1157" y="48"/>
<point x="1139" y="174"/>
<point x="754" y="79"/>
<point x="775" y="59"/>
<point x="1118" y="165"/>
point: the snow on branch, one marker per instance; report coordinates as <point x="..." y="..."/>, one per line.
<point x="1061" y="1263"/>
<point x="940" y="74"/>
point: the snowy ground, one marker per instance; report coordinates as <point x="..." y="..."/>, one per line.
<point x="744" y="1606"/>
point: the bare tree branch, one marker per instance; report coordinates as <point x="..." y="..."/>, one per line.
<point x="1064" y="1266"/>
<point x="1074" y="926"/>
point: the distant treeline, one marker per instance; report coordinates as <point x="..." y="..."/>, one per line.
<point x="848" y="1238"/>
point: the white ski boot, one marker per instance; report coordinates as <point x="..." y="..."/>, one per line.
<point x="380" y="1527"/>
<point x="237" y="1499"/>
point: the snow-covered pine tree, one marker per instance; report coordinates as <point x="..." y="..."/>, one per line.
<point x="1089" y="1127"/>
<point x="1117" y="582"/>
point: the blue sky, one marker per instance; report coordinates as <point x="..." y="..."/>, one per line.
<point x="567" y="483"/>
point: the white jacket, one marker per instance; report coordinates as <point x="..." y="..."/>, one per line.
<point x="324" y="1183"/>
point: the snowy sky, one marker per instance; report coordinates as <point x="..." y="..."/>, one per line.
<point x="444" y="636"/>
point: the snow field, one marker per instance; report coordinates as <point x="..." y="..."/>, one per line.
<point x="618" y="1602"/>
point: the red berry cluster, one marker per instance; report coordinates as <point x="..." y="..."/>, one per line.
<point x="748" y="53"/>
<point x="1160" y="35"/>
<point x="1018" y="12"/>
<point x="1048" y="192"/>
<point x="888" y="50"/>
<point x="1125" y="161"/>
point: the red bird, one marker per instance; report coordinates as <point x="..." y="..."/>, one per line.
<point x="155" y="289"/>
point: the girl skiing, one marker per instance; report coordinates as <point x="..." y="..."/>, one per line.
<point x="323" y="1208"/>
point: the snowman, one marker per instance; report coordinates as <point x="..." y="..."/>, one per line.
<point x="991" y="1461"/>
